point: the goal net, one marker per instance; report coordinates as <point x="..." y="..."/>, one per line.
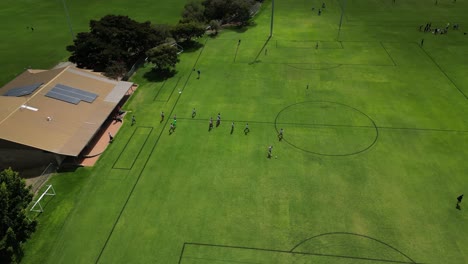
<point x="37" y="207"/>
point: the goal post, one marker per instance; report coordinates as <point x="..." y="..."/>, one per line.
<point x="37" y="207"/>
<point x="180" y="49"/>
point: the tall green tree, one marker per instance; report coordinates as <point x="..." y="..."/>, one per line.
<point x="15" y="226"/>
<point x="113" y="38"/>
<point x="187" y="31"/>
<point x="164" y="57"/>
<point x="216" y="9"/>
<point x="215" y="25"/>
<point x="228" y="11"/>
<point x="193" y="12"/>
<point x="240" y="10"/>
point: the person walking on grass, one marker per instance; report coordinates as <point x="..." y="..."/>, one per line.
<point x="270" y="148"/>
<point x="162" y="116"/>
<point x="194" y="113"/>
<point x="218" y="120"/>
<point x="171" y="128"/>
<point x="280" y="134"/>
<point x="211" y="124"/>
<point x="246" y="129"/>
<point x="133" y="120"/>
<point x="459" y="199"/>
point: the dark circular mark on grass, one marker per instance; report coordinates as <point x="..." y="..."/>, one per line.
<point x="386" y="245"/>
<point x="323" y="104"/>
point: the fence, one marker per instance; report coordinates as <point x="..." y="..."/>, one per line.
<point x="135" y="67"/>
<point x="45" y="175"/>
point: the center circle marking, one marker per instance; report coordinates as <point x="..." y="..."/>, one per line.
<point x="327" y="128"/>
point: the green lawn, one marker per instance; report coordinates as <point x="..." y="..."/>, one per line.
<point x="373" y="156"/>
<point x="44" y="47"/>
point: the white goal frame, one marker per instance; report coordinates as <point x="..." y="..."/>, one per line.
<point x="38" y="202"/>
<point x="179" y="48"/>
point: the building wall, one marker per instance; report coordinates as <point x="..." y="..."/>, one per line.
<point x="20" y="157"/>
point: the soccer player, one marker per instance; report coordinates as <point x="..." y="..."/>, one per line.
<point x="171" y="128"/>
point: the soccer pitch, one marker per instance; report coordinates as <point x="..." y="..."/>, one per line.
<point x="373" y="155"/>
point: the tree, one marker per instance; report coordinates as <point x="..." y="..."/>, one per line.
<point x="215" y="25"/>
<point x="164" y="56"/>
<point x="228" y="11"/>
<point x="187" y="31"/>
<point x="216" y="9"/>
<point x="193" y="12"/>
<point x="113" y="38"/>
<point x="239" y="11"/>
<point x="15" y="226"/>
<point x="115" y="70"/>
<point x="162" y="33"/>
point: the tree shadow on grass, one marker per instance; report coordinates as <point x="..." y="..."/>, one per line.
<point x="240" y="28"/>
<point x="213" y="35"/>
<point x="190" y="45"/>
<point x="156" y="75"/>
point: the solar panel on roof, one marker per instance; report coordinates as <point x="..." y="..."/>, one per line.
<point x="62" y="97"/>
<point x="23" y="90"/>
<point x="83" y="95"/>
<point x="70" y="95"/>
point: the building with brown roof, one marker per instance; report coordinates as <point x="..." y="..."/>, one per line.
<point x="48" y="115"/>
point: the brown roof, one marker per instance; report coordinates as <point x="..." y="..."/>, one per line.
<point x="57" y="126"/>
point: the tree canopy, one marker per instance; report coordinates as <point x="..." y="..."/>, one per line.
<point x="115" y="42"/>
<point x="228" y="11"/>
<point x="225" y="11"/>
<point x="164" y="56"/>
<point x="187" y="31"/>
<point x="194" y="11"/>
<point x="114" y="39"/>
<point x="215" y="25"/>
<point x="15" y="226"/>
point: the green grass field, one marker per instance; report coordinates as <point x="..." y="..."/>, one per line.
<point x="44" y="47"/>
<point x="373" y="156"/>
